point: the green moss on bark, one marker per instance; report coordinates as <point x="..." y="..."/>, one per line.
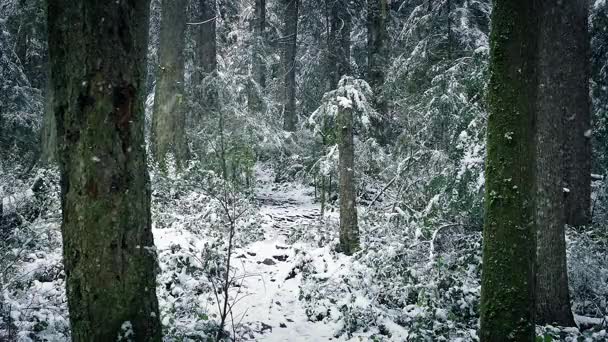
<point x="507" y="295"/>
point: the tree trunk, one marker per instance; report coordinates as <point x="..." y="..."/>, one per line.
<point x="339" y="41"/>
<point x="205" y="54"/>
<point x="255" y="88"/>
<point x="289" y="62"/>
<point x="576" y="69"/>
<point x="377" y="60"/>
<point x="168" y="120"/>
<point x="349" y="231"/>
<point x="562" y="93"/>
<point x="49" y="129"/>
<point x="509" y="240"/>
<point x="259" y="27"/>
<point x="98" y="68"/>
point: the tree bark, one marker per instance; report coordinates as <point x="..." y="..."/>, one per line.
<point x="562" y="98"/>
<point x="168" y="134"/>
<point x="205" y="54"/>
<point x="98" y="68"/>
<point x="49" y="129"/>
<point x="377" y="51"/>
<point x="349" y="230"/>
<point x="289" y="64"/>
<point x="259" y="27"/>
<point x="576" y="70"/>
<point x="339" y="41"/>
<point x="509" y="240"/>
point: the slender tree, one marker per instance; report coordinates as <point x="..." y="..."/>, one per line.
<point x="509" y="241"/>
<point x="98" y="68"/>
<point x="290" y="34"/>
<point x="49" y="129"/>
<point x="258" y="82"/>
<point x="576" y="68"/>
<point x="562" y="104"/>
<point x="168" y="120"/>
<point x="349" y="230"/>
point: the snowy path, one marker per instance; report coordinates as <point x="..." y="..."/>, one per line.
<point x="270" y="289"/>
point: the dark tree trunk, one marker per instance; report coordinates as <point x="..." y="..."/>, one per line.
<point x="259" y="27"/>
<point x="377" y="61"/>
<point x="338" y="41"/>
<point x="289" y="63"/>
<point x="49" y="129"/>
<point x="576" y="69"/>
<point x="349" y="230"/>
<point x="562" y="104"/>
<point x="205" y="54"/>
<point x="98" y="68"/>
<point x="509" y="240"/>
<point x="255" y="88"/>
<point x="168" y="120"/>
<point x="377" y="50"/>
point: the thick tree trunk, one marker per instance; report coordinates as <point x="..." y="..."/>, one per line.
<point x="168" y="120"/>
<point x="98" y="68"/>
<point x="562" y="93"/>
<point x="205" y="54"/>
<point x="349" y="230"/>
<point x="289" y="64"/>
<point x="339" y="41"/>
<point x="576" y="69"/>
<point x="509" y="240"/>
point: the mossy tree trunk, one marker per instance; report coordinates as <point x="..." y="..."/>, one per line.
<point x="509" y="240"/>
<point x="98" y="68"/>
<point x="168" y="121"/>
<point x="562" y="98"/>
<point x="349" y="230"/>
<point x="290" y="30"/>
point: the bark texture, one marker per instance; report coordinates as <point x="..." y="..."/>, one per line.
<point x="575" y="71"/>
<point x="349" y="230"/>
<point x="206" y="48"/>
<point x="377" y="49"/>
<point x="340" y="23"/>
<point x="509" y="241"/>
<point x="98" y="68"/>
<point x="562" y="98"/>
<point x="168" y="134"/>
<point x="259" y="28"/>
<point x="290" y="118"/>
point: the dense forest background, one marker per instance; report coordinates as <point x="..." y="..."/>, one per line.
<point x="262" y="109"/>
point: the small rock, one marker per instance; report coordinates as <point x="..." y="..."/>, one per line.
<point x="266" y="327"/>
<point x="289" y="320"/>
<point x="282" y="247"/>
<point x="283" y="325"/>
<point x="251" y="253"/>
<point x="268" y="261"/>
<point x="278" y="303"/>
<point x="280" y="257"/>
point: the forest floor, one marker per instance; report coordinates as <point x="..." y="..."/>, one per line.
<point x="269" y="292"/>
